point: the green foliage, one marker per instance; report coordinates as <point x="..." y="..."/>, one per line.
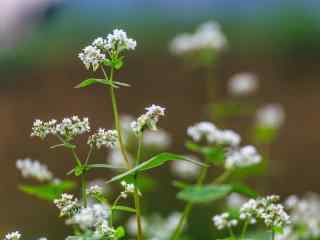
<point x="204" y="194"/>
<point x="244" y="189"/>
<point x="48" y="191"/>
<point x="124" y="209"/>
<point x="265" y="135"/>
<point x="230" y="109"/>
<point x="154" y="162"/>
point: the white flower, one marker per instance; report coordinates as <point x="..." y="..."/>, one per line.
<point x="119" y="40"/>
<point x="207" y="36"/>
<point x="243" y="84"/>
<point x="211" y="134"/>
<point x="125" y="122"/>
<point x="34" y="169"/>
<point x="128" y="188"/>
<point x="91" y="56"/>
<point x="43" y="129"/>
<point x="224" y="221"/>
<point x="67" y="204"/>
<point x="104" y="138"/>
<point x="305" y="212"/>
<point x="94" y="190"/>
<point x="270" y="116"/>
<point x="267" y="209"/>
<point x="99" y="184"/>
<point x="243" y="157"/>
<point x="90" y="217"/>
<point x="148" y="119"/>
<point x="12" y="236"/>
<point x="159" y="139"/>
<point x="185" y="169"/>
<point x="236" y="200"/>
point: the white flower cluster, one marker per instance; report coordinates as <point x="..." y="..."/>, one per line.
<point x="242" y="157"/>
<point x="67" y="204"/>
<point x="92" y="56"/>
<point x="148" y="119"/>
<point x="68" y="128"/>
<point x="94" y="190"/>
<point x="90" y="217"/>
<point x="243" y="84"/>
<point x="95" y="53"/>
<point x="159" y="139"/>
<point x="270" y="116"/>
<point x="185" y="169"/>
<point x="210" y="133"/>
<point x="223" y="221"/>
<point x="305" y="212"/>
<point x="104" y="138"/>
<point x="128" y="188"/>
<point x="33" y="169"/>
<point x="266" y="209"/>
<point x="207" y="36"/>
<point x="13" y="236"/>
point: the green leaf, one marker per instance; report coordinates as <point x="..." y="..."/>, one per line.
<point x="102" y="165"/>
<point x="119" y="233"/>
<point x="117" y="63"/>
<point x="244" y="189"/>
<point x="122" y="84"/>
<point x="124" y="209"/>
<point x="107" y="62"/>
<point x="90" y="81"/>
<point x="48" y="191"/>
<point x="203" y="194"/>
<point x="154" y="162"/>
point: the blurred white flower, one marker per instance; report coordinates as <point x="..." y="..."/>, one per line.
<point x="223" y="221"/>
<point x="185" y="169"/>
<point x="207" y="36"/>
<point x="243" y="157"/>
<point x="115" y="158"/>
<point x="159" y="139"/>
<point x="243" y="84"/>
<point x="209" y="132"/>
<point x="13" y="236"/>
<point x="271" y="116"/>
<point x="34" y="169"/>
<point x="101" y="184"/>
<point x="132" y="225"/>
<point x="235" y="200"/>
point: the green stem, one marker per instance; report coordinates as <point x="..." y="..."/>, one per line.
<point x="136" y="193"/>
<point x="188" y="207"/>
<point x="223" y="177"/>
<point x="113" y="205"/>
<point x="273" y="235"/>
<point x="116" y="118"/>
<point x="244" y="229"/>
<point x="83" y="190"/>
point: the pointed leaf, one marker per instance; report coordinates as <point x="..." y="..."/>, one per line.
<point x="90" y="81"/>
<point x="154" y="162"/>
<point x="124" y="209"/>
<point x="203" y="194"/>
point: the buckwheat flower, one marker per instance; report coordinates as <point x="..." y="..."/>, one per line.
<point x="225" y="137"/>
<point x="223" y="221"/>
<point x="242" y="84"/>
<point x="94" y="190"/>
<point x="67" y="204"/>
<point x="270" y="116"/>
<point x="266" y="209"/>
<point x="148" y="119"/>
<point x="43" y="129"/>
<point x="90" y="217"/>
<point x="243" y="157"/>
<point x="33" y="169"/>
<point x="185" y="169"/>
<point x="68" y="128"/>
<point x="118" y="40"/>
<point x="101" y="43"/>
<point x="128" y="188"/>
<point x="159" y="139"/>
<point x="99" y="184"/>
<point x="235" y="200"/>
<point x="91" y="56"/>
<point x="13" y="236"/>
<point x="104" y="138"/>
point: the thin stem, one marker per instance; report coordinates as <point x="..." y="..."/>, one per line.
<point x="244" y="229"/>
<point x="83" y="190"/>
<point x="89" y="155"/>
<point x="116" y="118"/>
<point x="113" y="205"/>
<point x="231" y="232"/>
<point x="188" y="207"/>
<point x="225" y="175"/>
<point x="273" y="235"/>
<point x="136" y="193"/>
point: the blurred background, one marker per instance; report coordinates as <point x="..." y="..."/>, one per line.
<point x="279" y="41"/>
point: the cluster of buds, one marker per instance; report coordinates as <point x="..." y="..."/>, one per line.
<point x="243" y="157"/>
<point x="148" y="119"/>
<point x="104" y="138"/>
<point x="128" y="188"/>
